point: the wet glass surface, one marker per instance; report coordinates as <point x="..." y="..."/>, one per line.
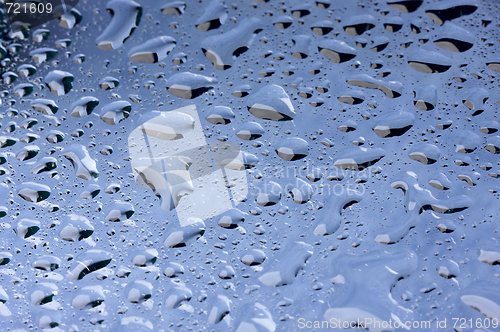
<point x="251" y="166"/>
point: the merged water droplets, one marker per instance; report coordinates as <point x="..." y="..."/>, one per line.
<point x="271" y="103"/>
<point x="454" y="38"/>
<point x="108" y="83"/>
<point x="358" y="24"/>
<point x="466" y="142"/>
<point x="119" y="211"/>
<point x="125" y="17"/>
<point x="174" y="8"/>
<point x="482" y="296"/>
<point x="43" y="54"/>
<point x="450" y="10"/>
<point x="376" y="274"/>
<point x="182" y="236"/>
<point x="429" y="62"/>
<point x="292" y="149"/>
<point x="83" y="106"/>
<point x="222" y="49"/>
<point x="46" y="106"/>
<point x="85" y="166"/>
<point x="23" y="89"/>
<point x="47" y="263"/>
<point x="253" y="257"/>
<point x="219" y="308"/>
<point x="391" y="89"/>
<point x="254" y="316"/>
<point x="115" y="112"/>
<point x="418" y="200"/>
<point x="393" y="124"/>
<point x="88" y="262"/>
<point x="45" y="164"/>
<point x="59" y="82"/>
<point x="188" y="85"/>
<point x="26" y="70"/>
<point x="405" y="6"/>
<point x="220" y="115"/>
<point x="75" y="228"/>
<point x="283" y="22"/>
<point x="358" y="158"/>
<point x="177" y="296"/>
<point x="283" y="270"/>
<point x="153" y="50"/>
<point x="425" y="97"/>
<point x="88" y="297"/>
<point x="336" y="51"/>
<point x="270" y="194"/>
<point x="25" y="227"/>
<point x="425" y="153"/>
<point x="70" y="18"/>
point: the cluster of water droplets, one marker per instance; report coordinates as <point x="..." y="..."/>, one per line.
<point x="327" y="108"/>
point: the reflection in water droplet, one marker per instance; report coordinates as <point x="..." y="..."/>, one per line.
<point x="75" y="228"/>
<point x="108" y="83"/>
<point x="174" y="8"/>
<point x="125" y="17"/>
<point x="88" y="262"/>
<point x="336" y="51"/>
<point x="83" y="163"/>
<point x="222" y="49"/>
<point x="292" y="149"/>
<point x="83" y="106"/>
<point x="153" y="50"/>
<point x="254" y="317"/>
<point x="393" y="124"/>
<point x="88" y="297"/>
<point x="44" y="54"/>
<point x="271" y="103"/>
<point x="250" y="131"/>
<point x="59" y="82"/>
<point x="188" y="85"/>
<point x="214" y="15"/>
<point x="428" y="61"/>
<point x="116" y="112"/>
<point x="376" y="274"/>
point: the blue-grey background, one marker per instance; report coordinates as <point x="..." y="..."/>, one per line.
<point x="283" y="234"/>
